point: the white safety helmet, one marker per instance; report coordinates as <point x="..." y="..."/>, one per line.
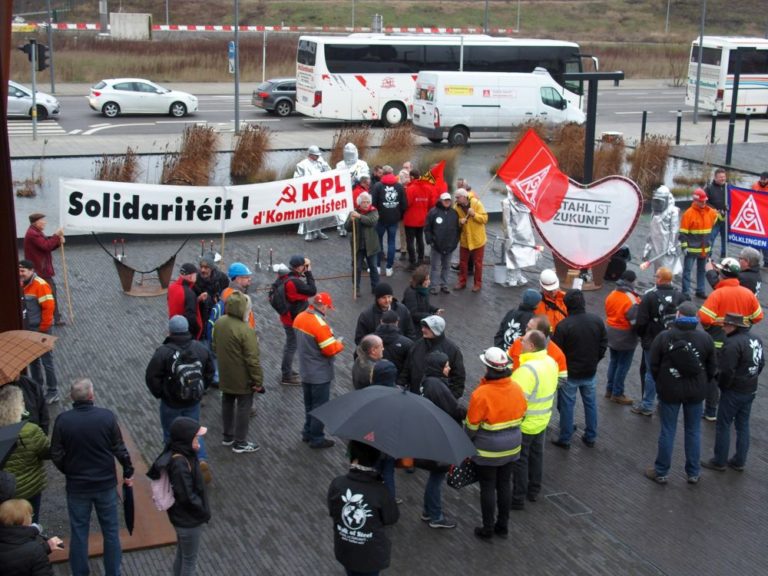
<point x="549" y="280"/>
<point x="495" y="358"/>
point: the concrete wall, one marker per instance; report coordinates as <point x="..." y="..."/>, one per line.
<point x="127" y="26"/>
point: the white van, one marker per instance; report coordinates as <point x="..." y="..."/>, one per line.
<point x="454" y="105"/>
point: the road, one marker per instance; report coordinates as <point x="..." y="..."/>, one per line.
<point x="615" y="105"/>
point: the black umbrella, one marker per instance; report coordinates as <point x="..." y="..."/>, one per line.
<point x="8" y="436"/>
<point x="128" y="509"/>
<point x="398" y="423"/>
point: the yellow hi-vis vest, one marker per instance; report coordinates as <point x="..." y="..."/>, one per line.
<point x="537" y="376"/>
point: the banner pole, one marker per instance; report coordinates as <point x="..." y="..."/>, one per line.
<point x="66" y="283"/>
<point x="354" y="259"/>
<point x="223" y="242"/>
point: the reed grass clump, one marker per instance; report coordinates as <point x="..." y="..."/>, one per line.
<point x="609" y="159"/>
<point x="359" y="136"/>
<point x="397" y="146"/>
<point x="648" y="163"/>
<point x="192" y="166"/>
<point x="249" y="156"/>
<point x="123" y="168"/>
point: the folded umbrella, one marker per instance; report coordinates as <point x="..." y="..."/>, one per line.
<point x="18" y="349"/>
<point x="128" y="508"/>
<point x="397" y="422"/>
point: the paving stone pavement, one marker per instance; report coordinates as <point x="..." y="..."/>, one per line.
<point x="597" y="515"/>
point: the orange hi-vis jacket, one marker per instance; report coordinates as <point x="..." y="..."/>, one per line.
<point x="617" y="304"/>
<point x="553" y="351"/>
<point x="729" y="297"/>
<point x="695" y="228"/>
<point x="495" y="412"/>
<point x="39" y="290"/>
<point x="553" y="308"/>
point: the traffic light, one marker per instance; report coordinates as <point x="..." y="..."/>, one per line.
<point x="42" y="57"/>
<point x="27" y="49"/>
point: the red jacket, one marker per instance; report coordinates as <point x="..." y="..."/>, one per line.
<point x="421" y="197"/>
<point x="182" y="300"/>
<point x="38" y="248"/>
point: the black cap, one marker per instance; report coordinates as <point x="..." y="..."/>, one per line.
<point x="187" y="268"/>
<point x="382" y="289"/>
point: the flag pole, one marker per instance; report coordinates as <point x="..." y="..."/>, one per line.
<point x="66" y="283"/>
<point x="354" y="259"/>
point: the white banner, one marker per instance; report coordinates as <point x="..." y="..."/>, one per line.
<point x="593" y="221"/>
<point x="98" y="206"/>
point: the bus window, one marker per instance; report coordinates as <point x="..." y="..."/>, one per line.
<point x="753" y="62"/>
<point x="710" y="56"/>
<point x="307" y="51"/>
<point x="373" y="59"/>
<point x="494" y="59"/>
<point x="441" y="58"/>
<point x="575" y="86"/>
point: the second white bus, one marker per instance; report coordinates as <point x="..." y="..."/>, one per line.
<point x="717" y="73"/>
<point x="372" y="77"/>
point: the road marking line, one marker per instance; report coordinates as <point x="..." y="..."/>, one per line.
<point x="91" y="131"/>
<point x="73" y="132"/>
<point x="97" y="125"/>
<point x="633" y="112"/>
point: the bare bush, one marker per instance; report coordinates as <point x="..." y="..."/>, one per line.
<point x="117" y="168"/>
<point x="648" y="163"/>
<point x="192" y="166"/>
<point x="359" y="136"/>
<point x="250" y="154"/>
<point x="397" y="146"/>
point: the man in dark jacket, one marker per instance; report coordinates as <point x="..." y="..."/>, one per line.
<point x="749" y="277"/>
<point x="38" y="249"/>
<point x="433" y="340"/>
<point x="388" y="197"/>
<point x="361" y="505"/>
<point x="441" y="232"/>
<point x="160" y="380"/>
<point x="396" y="346"/>
<point x="211" y="281"/>
<point x="740" y="362"/>
<point x="513" y="324"/>
<point x="85" y="443"/>
<point x="716" y="197"/>
<point x="299" y="287"/>
<point x="370" y="318"/>
<point x="656" y="310"/>
<point x="183" y="300"/>
<point x="583" y="339"/>
<point x="683" y="364"/>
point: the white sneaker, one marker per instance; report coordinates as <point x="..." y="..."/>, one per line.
<point x="245" y="448"/>
<point x="378" y="269"/>
<point x="322" y="236"/>
<point x="522" y="281"/>
<point x="308" y="237"/>
<point x="389" y="272"/>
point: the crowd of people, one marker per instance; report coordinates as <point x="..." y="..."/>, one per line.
<point x="545" y="354"/>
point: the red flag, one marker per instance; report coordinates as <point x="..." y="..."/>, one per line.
<point x="531" y="172"/>
<point x="434" y="176"/>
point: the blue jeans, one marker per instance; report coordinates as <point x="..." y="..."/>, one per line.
<point x="692" y="425"/>
<point x="45" y="364"/>
<point x="567" y="402"/>
<point x="188" y="544"/>
<point x="392" y="233"/>
<point x="433" y="496"/>
<point x="733" y="407"/>
<point x="688" y="262"/>
<point x="79" y="507"/>
<point x="386" y="467"/>
<point x="209" y="346"/>
<point x="649" y="385"/>
<point x="315" y="395"/>
<point x="168" y="415"/>
<point x="718" y="228"/>
<point x="618" y="368"/>
<point x="289" y="351"/>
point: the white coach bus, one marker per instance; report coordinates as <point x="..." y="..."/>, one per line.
<point x="372" y="77"/>
<point x="717" y="68"/>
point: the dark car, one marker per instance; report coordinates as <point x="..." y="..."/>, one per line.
<point x="277" y="96"/>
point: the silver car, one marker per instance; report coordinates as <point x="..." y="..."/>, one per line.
<point x="20" y="102"/>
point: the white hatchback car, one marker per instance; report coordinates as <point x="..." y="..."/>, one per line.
<point x="20" y="102"/>
<point x="116" y="96"/>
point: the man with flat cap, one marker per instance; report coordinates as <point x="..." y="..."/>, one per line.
<point x="38" y="249"/>
<point x="298" y="286"/>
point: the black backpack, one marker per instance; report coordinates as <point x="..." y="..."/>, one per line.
<point x="187" y="381"/>
<point x="684" y="359"/>
<point x="277" y="297"/>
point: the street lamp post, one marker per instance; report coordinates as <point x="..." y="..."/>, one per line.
<point x="698" y="64"/>
<point x="517" y="28"/>
<point x="485" y="19"/>
<point x="237" y="66"/>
